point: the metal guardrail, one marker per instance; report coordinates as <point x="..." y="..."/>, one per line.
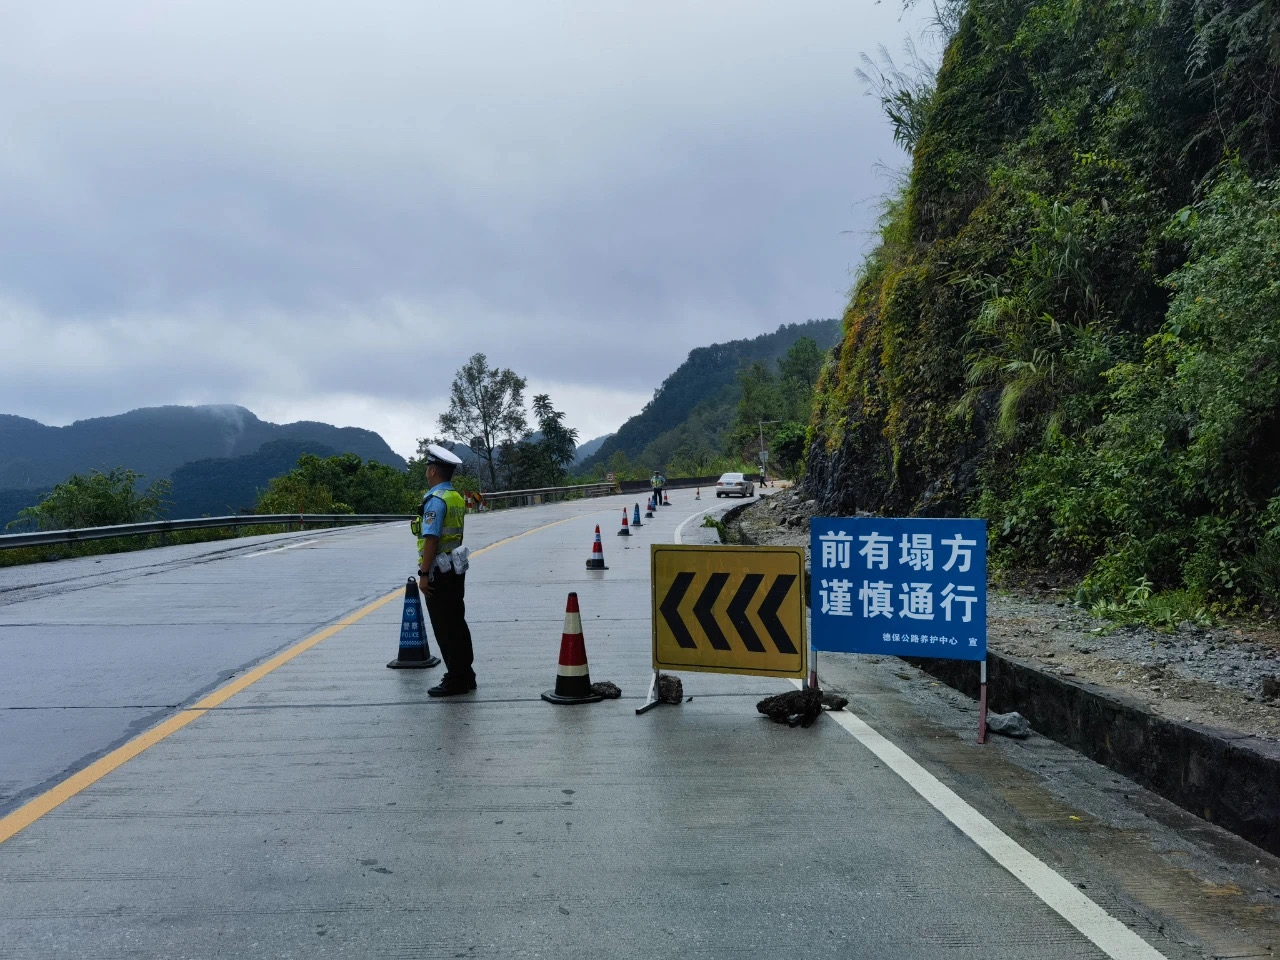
<point x="47" y="537"/>
<point x="551" y="494"/>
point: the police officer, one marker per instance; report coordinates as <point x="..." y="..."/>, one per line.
<point x="442" y="567"/>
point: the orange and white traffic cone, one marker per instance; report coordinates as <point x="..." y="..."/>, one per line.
<point x="665" y="502"/>
<point x="626" y="530"/>
<point x="648" y="508"/>
<point x="596" y="560"/>
<point x="573" y="679"/>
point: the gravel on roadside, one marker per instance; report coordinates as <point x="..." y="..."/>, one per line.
<point x="1225" y="676"/>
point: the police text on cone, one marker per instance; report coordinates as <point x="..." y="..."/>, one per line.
<point x="414" y="654"/>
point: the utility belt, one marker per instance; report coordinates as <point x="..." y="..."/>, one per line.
<point x="453" y="562"/>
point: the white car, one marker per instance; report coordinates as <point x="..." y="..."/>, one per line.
<point x="735" y="483"/>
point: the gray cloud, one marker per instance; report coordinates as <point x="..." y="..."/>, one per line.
<point x="282" y="204"/>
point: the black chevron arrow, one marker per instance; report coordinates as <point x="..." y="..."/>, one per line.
<point x="671" y="610"/>
<point x="738" y="612"/>
<point x="702" y="610"/>
<point x="769" y="613"/>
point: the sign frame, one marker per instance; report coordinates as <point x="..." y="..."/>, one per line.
<point x="714" y="607"/>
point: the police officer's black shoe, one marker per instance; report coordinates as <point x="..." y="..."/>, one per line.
<point x="448" y="687"/>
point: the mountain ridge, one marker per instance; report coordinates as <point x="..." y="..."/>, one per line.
<point x="697" y="394"/>
<point x="156" y="441"/>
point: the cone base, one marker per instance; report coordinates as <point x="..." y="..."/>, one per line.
<point x="596" y="565"/>
<point x="414" y="664"/>
<point x="552" y="697"/>
<point x="624" y="533"/>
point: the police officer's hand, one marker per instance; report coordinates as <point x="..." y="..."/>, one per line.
<point x="424" y="585"/>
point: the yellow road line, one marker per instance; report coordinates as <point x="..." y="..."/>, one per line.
<point x="54" y="797"/>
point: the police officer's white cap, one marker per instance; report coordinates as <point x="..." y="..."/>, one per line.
<point x="438" y="454"/>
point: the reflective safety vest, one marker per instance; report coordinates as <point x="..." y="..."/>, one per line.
<point x="455" y="511"/>
<point x="454" y="515"/>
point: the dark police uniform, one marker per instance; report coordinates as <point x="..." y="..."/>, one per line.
<point x="443" y="514"/>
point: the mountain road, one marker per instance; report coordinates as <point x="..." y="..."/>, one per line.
<point x="203" y="754"/>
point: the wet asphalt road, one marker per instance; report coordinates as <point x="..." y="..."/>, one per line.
<point x="331" y="808"/>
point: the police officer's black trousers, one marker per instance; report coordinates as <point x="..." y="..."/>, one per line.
<point x="448" y="613"/>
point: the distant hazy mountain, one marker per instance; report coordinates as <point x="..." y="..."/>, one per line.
<point x="585" y="450"/>
<point x="217" y="456"/>
<point x="700" y="397"/>
<point x="156" y="441"/>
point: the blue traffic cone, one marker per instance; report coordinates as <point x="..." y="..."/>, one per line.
<point x="636" y="521"/>
<point x="414" y="653"/>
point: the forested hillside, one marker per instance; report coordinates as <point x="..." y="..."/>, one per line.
<point x="1071" y="323"/>
<point x="694" y="407"/>
<point x="225" y="486"/>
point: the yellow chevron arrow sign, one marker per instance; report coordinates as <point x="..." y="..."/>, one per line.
<point x="729" y="609"/>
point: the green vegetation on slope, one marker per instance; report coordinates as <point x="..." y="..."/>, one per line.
<point x="340" y="484"/>
<point x="684" y="426"/>
<point x="1071" y="324"/>
<point x="226" y="486"/>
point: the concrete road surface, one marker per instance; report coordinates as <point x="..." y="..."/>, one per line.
<point x="204" y="755"/>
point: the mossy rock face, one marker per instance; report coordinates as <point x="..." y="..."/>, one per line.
<point x="1068" y="325"/>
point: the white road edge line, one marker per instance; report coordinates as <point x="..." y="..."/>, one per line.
<point x="694" y="516"/>
<point x="1110" y="935"/>
<point x="701" y="513"/>
<point x="292" y="546"/>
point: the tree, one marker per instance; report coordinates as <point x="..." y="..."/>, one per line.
<point x="558" y="441"/>
<point x="486" y="409"/>
<point x="760" y="401"/>
<point x="97" y="500"/>
<point x="789" y="449"/>
<point x="339" y="484"/>
<point x="540" y="463"/>
<point x="620" y="466"/>
<point x="292" y="493"/>
<point x="798" y="373"/>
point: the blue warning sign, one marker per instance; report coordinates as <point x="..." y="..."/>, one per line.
<point x="902" y="587"/>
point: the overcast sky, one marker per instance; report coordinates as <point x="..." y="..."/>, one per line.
<point x="319" y="210"/>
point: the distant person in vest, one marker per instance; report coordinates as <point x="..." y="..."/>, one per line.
<point x="655" y="481"/>
<point x="442" y="569"/>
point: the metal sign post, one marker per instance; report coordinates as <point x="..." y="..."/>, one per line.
<point x="902" y="587"/>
